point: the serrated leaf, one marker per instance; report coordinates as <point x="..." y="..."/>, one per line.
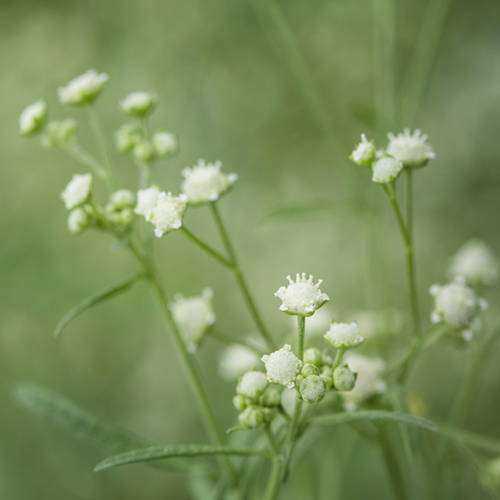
<point x="82" y="424"/>
<point x="375" y="415"/>
<point x="95" y="299"/>
<point x="305" y="211"/>
<point x="183" y="450"/>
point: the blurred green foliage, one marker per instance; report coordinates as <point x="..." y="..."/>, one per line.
<point x="229" y="95"/>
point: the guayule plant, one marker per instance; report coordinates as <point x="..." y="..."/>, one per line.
<point x="288" y="385"/>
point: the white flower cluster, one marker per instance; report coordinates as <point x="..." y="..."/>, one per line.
<point x="83" y="89"/>
<point x="194" y="316"/>
<point x="139" y="103"/>
<point x="205" y="182"/>
<point x="386" y="169"/>
<point x="77" y="191"/>
<point x="364" y="154"/>
<point x="344" y="336"/>
<point x="411" y="149"/>
<point x="33" y="118"/>
<point x="252" y="384"/>
<point x="302" y="297"/>
<point x="457" y="305"/>
<point x="476" y="262"/>
<point x="167" y="213"/>
<point x="282" y="366"/>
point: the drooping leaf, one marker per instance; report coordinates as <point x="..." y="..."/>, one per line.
<point x="374" y="415"/>
<point x="95" y="299"/>
<point x="83" y="425"/>
<point x="183" y="450"/>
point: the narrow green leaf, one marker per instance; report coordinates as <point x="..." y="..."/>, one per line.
<point x="470" y="438"/>
<point x="375" y="415"/>
<point x="236" y="429"/>
<point x="95" y="299"/>
<point x="183" y="450"/>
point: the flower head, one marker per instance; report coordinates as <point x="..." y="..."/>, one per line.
<point x="33" y="118"/>
<point x="146" y="200"/>
<point x="139" y="103"/>
<point x="344" y="336"/>
<point x="312" y="389"/>
<point x="476" y="262"/>
<point x="205" y="182"/>
<point x="282" y="366"/>
<point x="252" y="384"/>
<point x="368" y="380"/>
<point x="194" y="316"/>
<point x="236" y="360"/>
<point x="411" y="149"/>
<point x="457" y="305"/>
<point x="386" y="169"/>
<point x="343" y="379"/>
<point x="364" y="154"/>
<point x="123" y="198"/>
<point x="143" y="150"/>
<point x="301" y="297"/>
<point x="168" y="212"/>
<point x="78" y="220"/>
<point x="77" y="191"/>
<point x="83" y="89"/>
<point x="165" y="143"/>
<point x="127" y="136"/>
<point x="59" y="132"/>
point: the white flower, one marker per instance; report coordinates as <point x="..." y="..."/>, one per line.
<point x="252" y="384"/>
<point x="282" y="366"/>
<point x="167" y="213"/>
<point x="194" y="316"/>
<point x="476" y="262"/>
<point x="386" y="169"/>
<point x="77" y="191"/>
<point x="205" y="182"/>
<point x="368" y="381"/>
<point x="236" y="360"/>
<point x="457" y="305"/>
<point x="364" y="154"/>
<point x="122" y="198"/>
<point x="33" y="118"/>
<point x="146" y="200"/>
<point x="165" y="143"/>
<point x="78" y="220"/>
<point x="301" y="297"/>
<point x="344" y="336"/>
<point x="411" y="149"/>
<point x="139" y="103"/>
<point x="127" y="136"/>
<point x="83" y="89"/>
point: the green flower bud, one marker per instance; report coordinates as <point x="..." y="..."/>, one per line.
<point x="239" y="402"/>
<point x="143" y="150"/>
<point x="58" y="132"/>
<point x="271" y="398"/>
<point x="309" y="369"/>
<point x="139" y="103"/>
<point x="343" y="378"/>
<point x="327" y="376"/>
<point x="312" y="389"/>
<point x="127" y="136"/>
<point x="252" y="417"/>
<point x="123" y="198"/>
<point x="313" y="355"/>
<point x="165" y="144"/>
<point x="327" y="357"/>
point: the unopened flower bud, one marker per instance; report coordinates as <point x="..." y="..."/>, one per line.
<point x="282" y="366"/>
<point x="252" y="417"/>
<point x="313" y="355"/>
<point x="252" y="384"/>
<point x="364" y="154"/>
<point x="33" y="118"/>
<point x="77" y="191"/>
<point x="343" y="378"/>
<point x="386" y="169"/>
<point x="239" y="402"/>
<point x="309" y="369"/>
<point x="165" y="144"/>
<point x="411" y="149"/>
<point x="143" y="150"/>
<point x="312" y="389"/>
<point x="344" y="336"/>
<point x="79" y="219"/>
<point x="127" y="136"/>
<point x="59" y="132"/>
<point x="83" y="89"/>
<point x="123" y="198"/>
<point x="327" y="376"/>
<point x="271" y="398"/>
<point x="327" y="357"/>
<point x="139" y="103"/>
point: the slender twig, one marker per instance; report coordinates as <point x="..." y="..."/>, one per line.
<point x="266" y="429"/>
<point x="274" y="484"/>
<point x="79" y="154"/>
<point x="301" y="321"/>
<point x="391" y="462"/>
<point x="338" y="358"/>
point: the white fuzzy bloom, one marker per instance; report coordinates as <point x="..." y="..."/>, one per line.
<point x="457" y="305"/>
<point x="127" y="136"/>
<point x="252" y="384"/>
<point x="365" y="151"/>
<point x="476" y="262"/>
<point x="205" y="182"/>
<point x="194" y="316"/>
<point x="139" y="103"/>
<point x="282" y="366"/>
<point x="33" y="118"/>
<point x="236" y="360"/>
<point x="165" y="143"/>
<point x="368" y="381"/>
<point x="122" y="198"/>
<point x="386" y="169"/>
<point x="344" y="336"/>
<point x="411" y="149"/>
<point x="167" y="213"/>
<point x="83" y="89"/>
<point x="301" y="297"/>
<point x="146" y="200"/>
<point x="77" y="191"/>
<point x="78" y="220"/>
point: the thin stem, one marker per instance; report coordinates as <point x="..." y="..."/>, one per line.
<point x="274" y="483"/>
<point x="391" y="462"/>
<point x="144" y="174"/>
<point x="79" y="154"/>
<point x="338" y="358"/>
<point x="239" y="276"/>
<point x="266" y="429"/>
<point x="101" y="144"/>
<point x="301" y="321"/>
<point x="216" y="255"/>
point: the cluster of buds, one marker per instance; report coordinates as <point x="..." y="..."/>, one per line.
<point x="406" y="150"/>
<point x="256" y="400"/>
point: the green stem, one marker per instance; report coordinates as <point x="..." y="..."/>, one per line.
<point x="101" y="144"/>
<point x="79" y="154"/>
<point x="338" y="358"/>
<point x="301" y="320"/>
<point x="239" y="277"/>
<point x="266" y="429"/>
<point x="216" y="255"/>
<point x="391" y="462"/>
<point x="144" y="174"/>
<point x="274" y="483"/>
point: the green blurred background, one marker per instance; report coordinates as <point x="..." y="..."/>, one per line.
<point x="230" y="95"/>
